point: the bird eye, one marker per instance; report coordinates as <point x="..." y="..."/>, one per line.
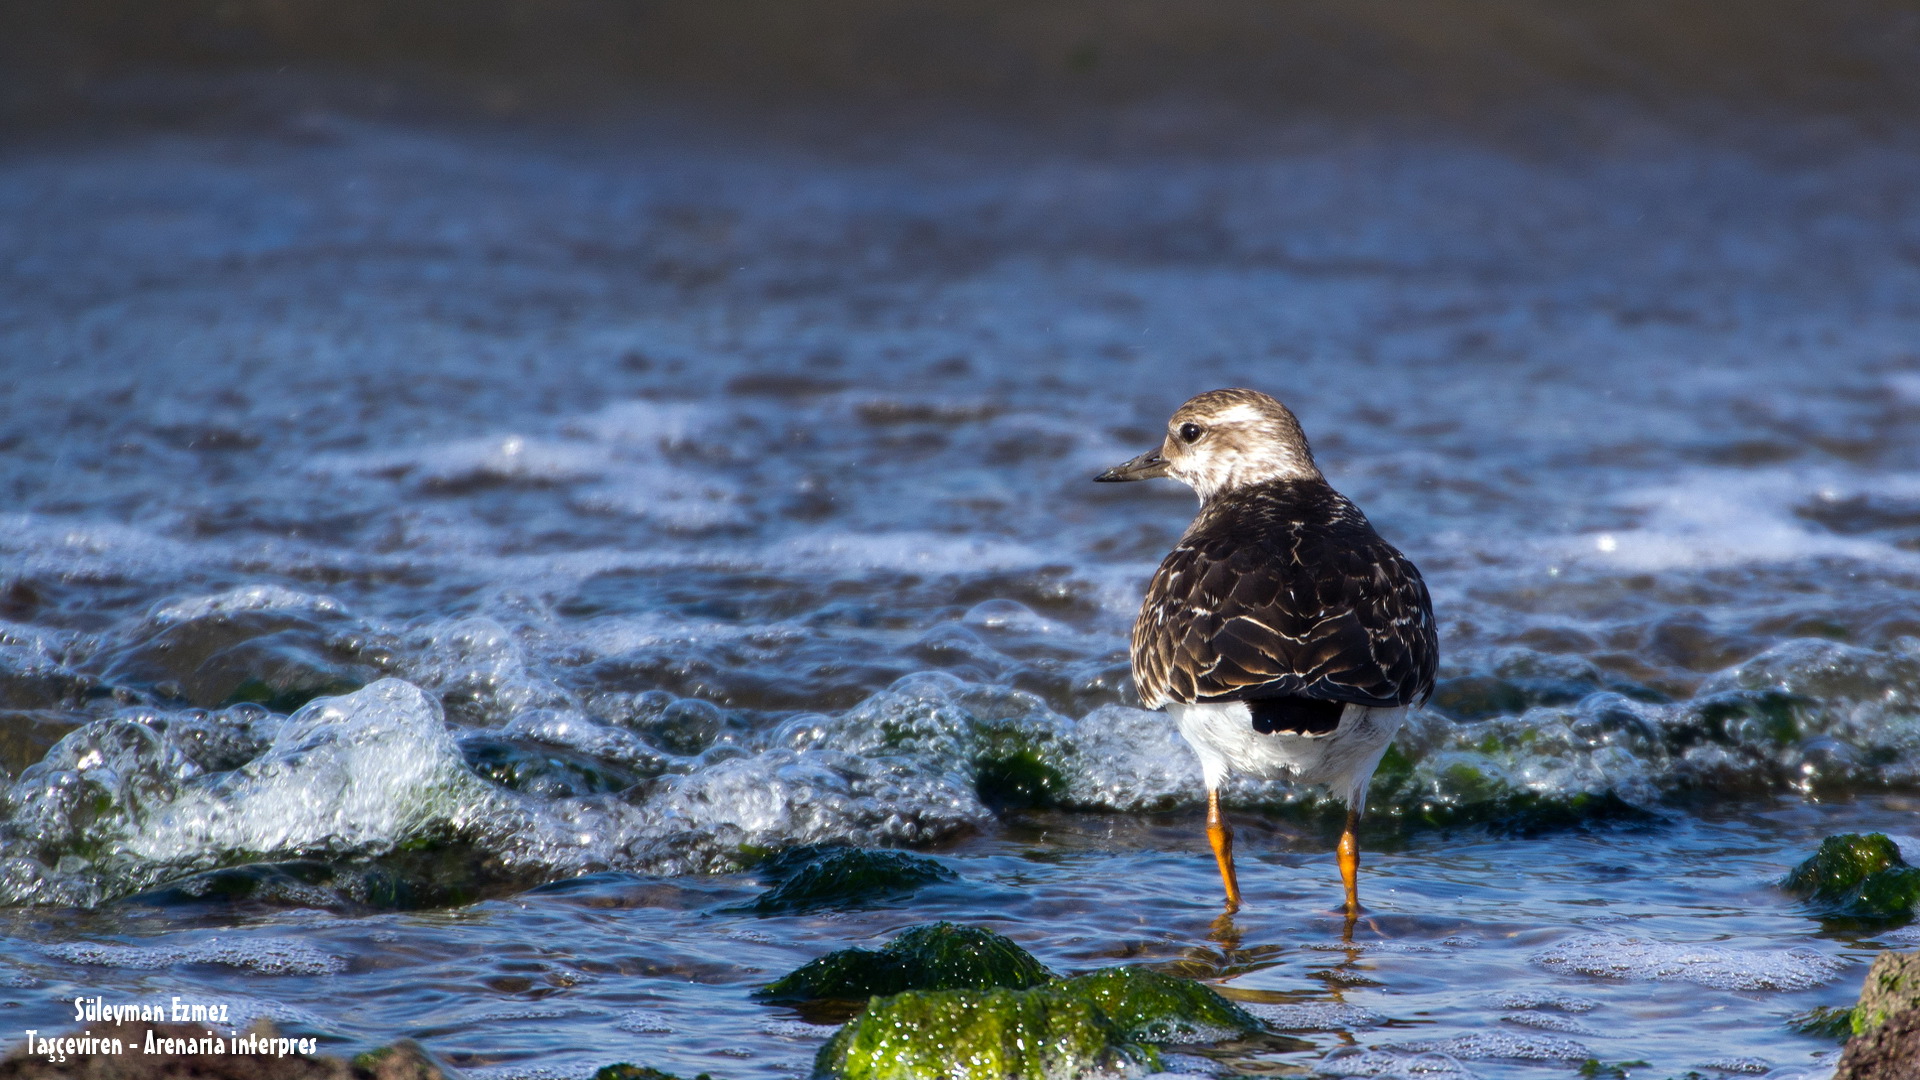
<point x="1191" y="432"/>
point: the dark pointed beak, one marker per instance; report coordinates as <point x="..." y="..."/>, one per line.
<point x="1145" y="467"/>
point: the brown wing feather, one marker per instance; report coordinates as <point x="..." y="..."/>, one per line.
<point x="1285" y="590"/>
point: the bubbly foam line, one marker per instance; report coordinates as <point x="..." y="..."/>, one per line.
<point x="268" y="956"/>
<point x="1502" y="1046"/>
<point x="1382" y="1064"/>
<point x="1644" y="959"/>
<point x="1724" y="517"/>
<point x="246" y="598"/>
<point x="359" y="775"/>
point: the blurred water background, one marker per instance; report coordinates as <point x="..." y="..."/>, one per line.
<point x="479" y="476"/>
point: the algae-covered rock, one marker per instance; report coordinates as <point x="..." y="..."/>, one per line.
<point x="537" y="769"/>
<point x="1888" y="1052"/>
<point x="938" y="956"/>
<point x="1150" y="1006"/>
<point x="1823" y="1022"/>
<point x="837" y="876"/>
<point x="1857" y="876"/>
<point x="1892" y="986"/>
<point x="624" y="1071"/>
<point x="1020" y="780"/>
<point x="982" y="1035"/>
<point x="404" y="1060"/>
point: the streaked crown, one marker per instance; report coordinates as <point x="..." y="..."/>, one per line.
<point x="1227" y="439"/>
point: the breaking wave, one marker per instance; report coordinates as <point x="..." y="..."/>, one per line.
<point x="543" y="782"/>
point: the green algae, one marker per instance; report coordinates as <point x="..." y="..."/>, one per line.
<point x="966" y="1002"/>
<point x="404" y="1060"/>
<point x="1774" y="715"/>
<point x="1596" y="1069"/>
<point x="550" y="772"/>
<point x="1019" y="780"/>
<point x="982" y="1035"/>
<point x="826" y="876"/>
<point x="1150" y="1006"/>
<point x="937" y="956"/>
<point x="1823" y="1022"/>
<point x="624" y="1071"/>
<point x="1857" y="876"/>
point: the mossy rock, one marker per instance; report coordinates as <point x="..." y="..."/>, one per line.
<point x="536" y="769"/>
<point x="1857" y="876"/>
<point x="835" y="876"/>
<point x="624" y="1071"/>
<point x="982" y="1035"/>
<point x="1892" y="986"/>
<point x="937" y="956"/>
<point x="1018" y="781"/>
<point x="402" y="1061"/>
<point x="1153" y="1007"/>
<point x="1823" y="1022"/>
<point x="1888" y="1052"/>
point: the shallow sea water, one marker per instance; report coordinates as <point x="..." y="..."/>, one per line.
<point x="440" y="557"/>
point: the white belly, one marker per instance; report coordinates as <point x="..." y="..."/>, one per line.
<point x="1222" y="736"/>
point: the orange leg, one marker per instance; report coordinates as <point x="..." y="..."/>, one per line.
<point x="1221" y="836"/>
<point x="1350" y="862"/>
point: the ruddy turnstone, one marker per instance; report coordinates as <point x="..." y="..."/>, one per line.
<point x="1285" y="637"/>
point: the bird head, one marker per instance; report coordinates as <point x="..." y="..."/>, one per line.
<point x="1222" y="440"/>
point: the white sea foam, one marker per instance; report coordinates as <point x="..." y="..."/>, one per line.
<point x="905" y="550"/>
<point x="673" y="497"/>
<point x="1544" y="999"/>
<point x="1383" y="1064"/>
<point x="509" y="458"/>
<point x="367" y="770"/>
<point x="1726" y="517"/>
<point x="268" y="956"/>
<point x="1643" y="959"/>
<point x="794" y="1029"/>
<point x="483" y="664"/>
<point x="1740" y="1066"/>
<point x="1501" y="1046"/>
<point x="245" y="598"/>
<point x="1546" y="1021"/>
<point x="1314" y="1016"/>
<point x="644" y="1022"/>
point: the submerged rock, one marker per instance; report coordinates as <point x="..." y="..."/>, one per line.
<point x="938" y="956"/>
<point x="275" y="657"/>
<point x="1857" y="876"/>
<point x="1018" y="780"/>
<point x="822" y="876"/>
<point x="624" y="1071"/>
<point x="1824" y="1022"/>
<point x="983" y="1035"/>
<point x="1161" y="1008"/>
<point x="537" y="769"/>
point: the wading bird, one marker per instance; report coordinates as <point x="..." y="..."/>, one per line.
<point x="1282" y="633"/>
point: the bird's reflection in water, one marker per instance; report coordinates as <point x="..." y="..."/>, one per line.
<point x="1230" y="955"/>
